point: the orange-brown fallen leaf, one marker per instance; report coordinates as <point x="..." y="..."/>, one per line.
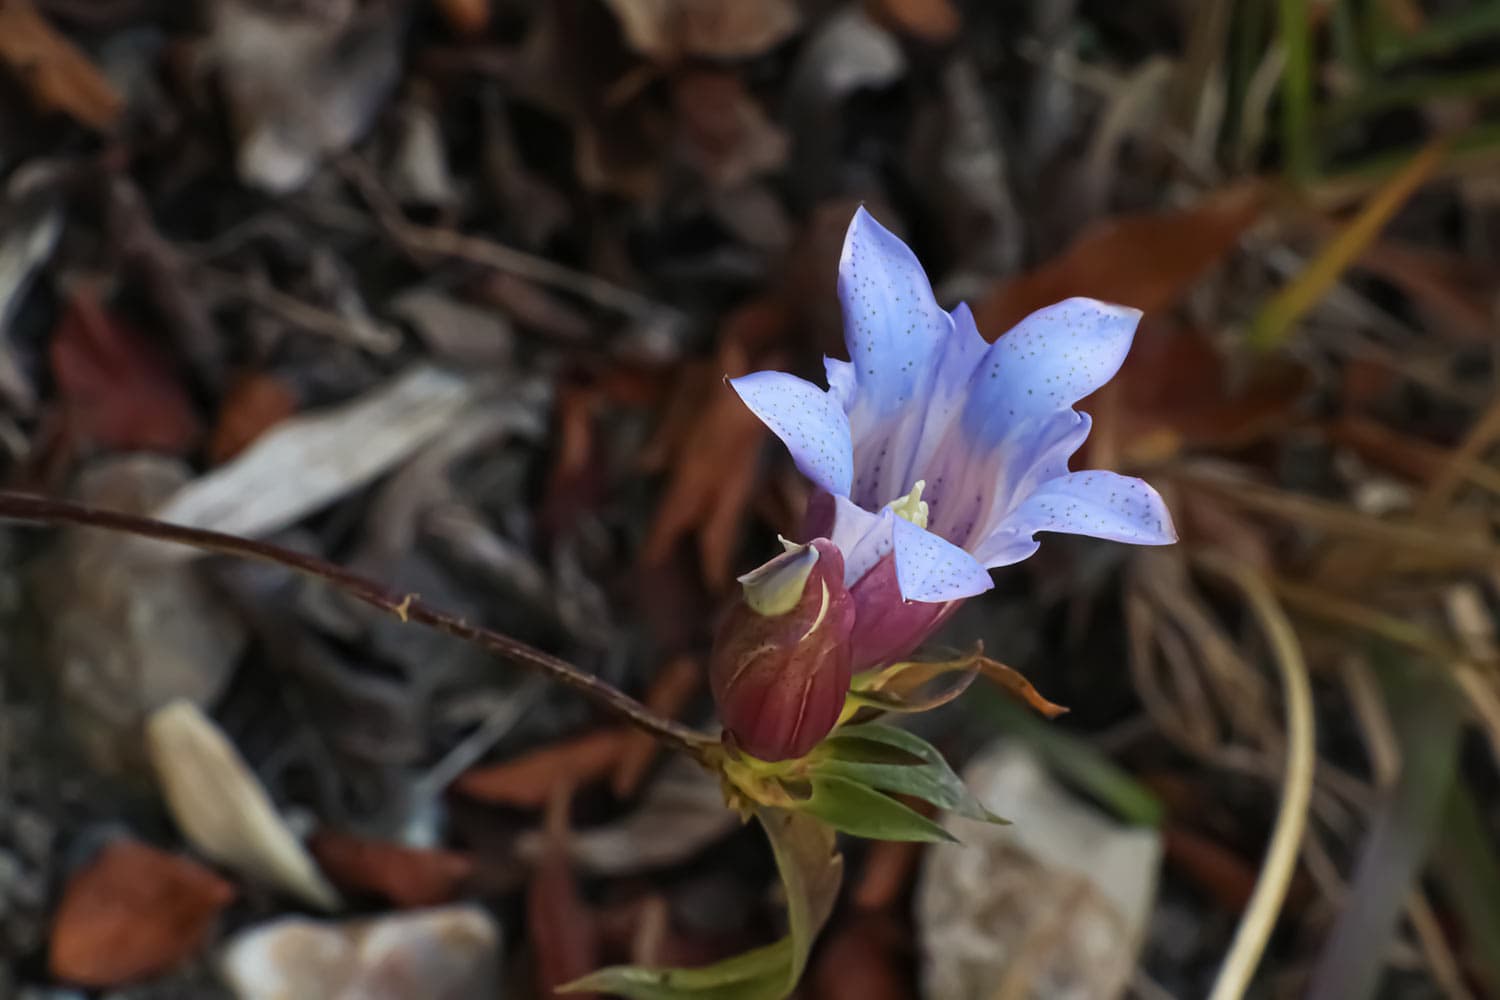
<point x="118" y="388"/>
<point x="252" y="406"/>
<point x="405" y="876"/>
<point x="132" y="913"/>
<point x="528" y="781"/>
<point x="1229" y="878"/>
<point x="466" y="17"/>
<point x="56" y="73"/>
<point x="710" y="439"/>
<point x="931" y="21"/>
<point x="1147" y="261"/>
<point x="668" y="695"/>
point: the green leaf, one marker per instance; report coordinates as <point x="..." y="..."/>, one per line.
<point x="859" y="809"/>
<point x="811" y="869"/>
<point x="915" y="768"/>
<point x="762" y="974"/>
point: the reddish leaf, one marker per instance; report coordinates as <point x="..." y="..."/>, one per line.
<point x="252" y="407"/>
<point x="528" y="781"/>
<point x="117" y="387"/>
<point x="565" y="934"/>
<point x="406" y="876"/>
<point x="1147" y="261"/>
<point x="1218" y="870"/>
<point x="132" y="913"/>
<point x="890" y="866"/>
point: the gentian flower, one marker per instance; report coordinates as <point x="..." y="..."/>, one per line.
<point x="939" y="456"/>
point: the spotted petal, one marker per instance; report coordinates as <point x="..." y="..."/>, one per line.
<point x="1098" y="504"/>
<point x="808" y="420"/>
<point x="932" y="569"/>
<point x="1049" y="361"/>
<point x="892" y="323"/>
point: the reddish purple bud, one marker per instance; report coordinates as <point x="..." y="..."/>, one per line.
<point x="780" y="667"/>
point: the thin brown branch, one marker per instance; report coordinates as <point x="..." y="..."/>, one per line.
<point x="407" y="607"/>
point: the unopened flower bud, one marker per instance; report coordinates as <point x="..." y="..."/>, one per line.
<point x="781" y="663"/>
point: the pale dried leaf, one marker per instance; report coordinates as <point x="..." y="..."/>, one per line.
<point x="309" y="461"/>
<point x="222" y="808"/>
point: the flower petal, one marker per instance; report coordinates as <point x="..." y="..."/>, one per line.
<point x="864" y="538"/>
<point x="1098" y="504"/>
<point x="808" y="420"/>
<point x="1049" y="361"/>
<point x="892" y="323"/>
<point x="932" y="569"/>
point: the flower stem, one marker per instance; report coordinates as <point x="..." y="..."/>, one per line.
<point x="407" y="607"/>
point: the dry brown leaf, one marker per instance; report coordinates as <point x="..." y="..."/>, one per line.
<point x="529" y="781"/>
<point x="931" y="21"/>
<point x="1222" y="873"/>
<point x="564" y="932"/>
<point x="253" y="406"/>
<point x="132" y="913"/>
<point x="466" y="17"/>
<point x="711" y="445"/>
<point x="668" y="695"/>
<point x="406" y="876"/>
<point x="58" y="75"/>
<point x="723" y="133"/>
<point x="859" y="961"/>
<point x="1147" y="261"/>
<point x="668" y="30"/>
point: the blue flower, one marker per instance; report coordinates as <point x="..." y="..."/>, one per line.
<point x="939" y="456"/>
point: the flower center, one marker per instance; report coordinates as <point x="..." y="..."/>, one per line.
<point x="912" y="507"/>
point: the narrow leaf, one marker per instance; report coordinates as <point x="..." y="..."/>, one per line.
<point x="927" y="777"/>
<point x="860" y="810"/>
<point x="761" y="974"/>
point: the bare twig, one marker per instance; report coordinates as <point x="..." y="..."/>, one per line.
<point x="407" y="607"/>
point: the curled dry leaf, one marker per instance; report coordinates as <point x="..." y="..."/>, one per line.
<point x="58" y="75"/>
<point x="302" y="83"/>
<point x="669" y="30"/>
<point x="132" y="913"/>
<point x="528" y="781"/>
<point x="222" y="808"/>
<point x="405" y="876"/>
